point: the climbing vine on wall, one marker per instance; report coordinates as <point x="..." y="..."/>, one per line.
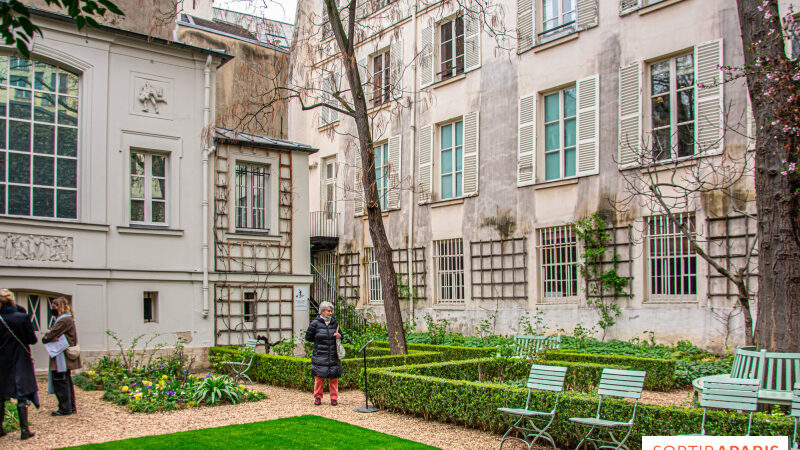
<point x="602" y="286"/>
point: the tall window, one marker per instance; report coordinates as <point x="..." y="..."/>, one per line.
<point x="381" y="84"/>
<point x="329" y="186"/>
<point x="148" y="188"/>
<point x="559" y="131"/>
<point x="150" y="306"/>
<point x="382" y="172"/>
<point x="557" y="15"/>
<point x="38" y="139"/>
<point x="672" y="107"/>
<point x="451" y="48"/>
<point x="249" y="306"/>
<point x="448" y="259"/>
<point x="251" y="197"/>
<point x="373" y="277"/>
<point x="452" y="157"/>
<point x="558" y="269"/>
<point x="671" y="259"/>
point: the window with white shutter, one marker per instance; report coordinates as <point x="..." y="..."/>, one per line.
<point x="708" y="60"/>
<point x="329" y="85"/>
<point x="393" y="194"/>
<point x="426" y="65"/>
<point x="588" y="126"/>
<point x="396" y="64"/>
<point x="451" y="48"/>
<point x="630" y="114"/>
<point x="540" y="21"/>
<point x="456" y="161"/>
<point x="526" y="141"/>
<point x="425" y="163"/>
<point x="382" y="172"/>
<point x="560" y="134"/>
<point x="358" y="189"/>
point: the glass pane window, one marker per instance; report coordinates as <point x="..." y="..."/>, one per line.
<point x="557" y="15"/>
<point x="374" y="277"/>
<point x="672" y="109"/>
<point x="452" y="158"/>
<point x="252" y="183"/>
<point x="448" y="258"/>
<point x="38" y="139"/>
<point x="381" y="84"/>
<point x="558" y="269"/>
<point x="671" y="259"/>
<point x="560" y="134"/>
<point x="148" y="188"/>
<point x="328" y="197"/>
<point x="382" y="173"/>
<point x="451" y="48"/>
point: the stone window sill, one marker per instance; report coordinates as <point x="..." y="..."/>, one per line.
<point x="556" y="42"/>
<point x="555" y="183"/>
<point x="449" y="307"/>
<point x="149" y="230"/>
<point x="442" y="83"/>
<point x="448" y="202"/>
<point x="45" y="223"/>
<point x="656" y="6"/>
<point x="243" y="235"/>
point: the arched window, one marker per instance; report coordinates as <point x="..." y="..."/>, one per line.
<point x="38" y="139"/>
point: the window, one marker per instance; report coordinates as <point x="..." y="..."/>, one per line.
<point x="451" y="48"/>
<point x="373" y="278"/>
<point x="251" y="197"/>
<point x="249" y="306"/>
<point x="38" y="139"/>
<point x="560" y="138"/>
<point x="329" y="186"/>
<point x="557" y="16"/>
<point x="382" y="173"/>
<point x="672" y="107"/>
<point x="329" y="86"/>
<point x="150" y="304"/>
<point x="671" y="259"/>
<point x="558" y="269"/>
<point x="148" y="188"/>
<point x="381" y="84"/>
<point x="452" y="155"/>
<point x="448" y="260"/>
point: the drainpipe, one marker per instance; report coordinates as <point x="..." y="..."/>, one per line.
<point x="206" y="151"/>
<point x="411" y="204"/>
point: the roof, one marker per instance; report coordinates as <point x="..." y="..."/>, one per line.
<point x="224" y="57"/>
<point x="226" y="29"/>
<point x="229" y="136"/>
<point x="267" y="30"/>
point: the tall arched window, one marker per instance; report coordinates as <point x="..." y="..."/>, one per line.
<point x="38" y="139"/>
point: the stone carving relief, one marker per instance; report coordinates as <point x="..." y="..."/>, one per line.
<point x="33" y="247"/>
<point x="150" y="96"/>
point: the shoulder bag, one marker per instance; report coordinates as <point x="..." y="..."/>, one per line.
<point x="339" y="346"/>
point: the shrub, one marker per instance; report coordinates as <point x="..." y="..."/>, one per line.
<point x="688" y="371"/>
<point x="11" y="420"/>
<point x="660" y="372"/>
<point x="449" y="352"/>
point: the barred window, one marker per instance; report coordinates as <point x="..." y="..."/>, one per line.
<point x="251" y="197"/>
<point x="373" y="278"/>
<point x="448" y="259"/>
<point x="671" y="260"/>
<point x="38" y="139"/>
<point x="558" y="251"/>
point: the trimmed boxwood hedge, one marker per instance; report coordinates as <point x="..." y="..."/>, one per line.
<point x="475" y="405"/>
<point x="660" y="372"/>
<point x="449" y="353"/>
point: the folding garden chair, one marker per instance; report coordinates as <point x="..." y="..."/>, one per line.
<point x="613" y="383"/>
<point x="796" y="414"/>
<point x="739" y="394"/>
<point x="238" y="369"/>
<point x="532" y="425"/>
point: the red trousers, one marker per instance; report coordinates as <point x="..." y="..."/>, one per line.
<point x="333" y="387"/>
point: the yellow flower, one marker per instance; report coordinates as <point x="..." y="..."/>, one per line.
<point x="125" y="388"/>
<point x="164" y="377"/>
<point x="90" y="372"/>
<point x="138" y="395"/>
<point x="241" y="386"/>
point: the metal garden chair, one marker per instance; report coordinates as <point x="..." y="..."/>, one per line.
<point x="238" y="369"/>
<point x="613" y="383"/>
<point x="796" y="413"/>
<point x="531" y="424"/>
<point x="739" y="394"/>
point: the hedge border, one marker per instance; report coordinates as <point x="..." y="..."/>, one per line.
<point x="660" y="372"/>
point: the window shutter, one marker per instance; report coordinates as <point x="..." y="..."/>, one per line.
<point x="708" y="128"/>
<point x="396" y="56"/>
<point x="587" y="14"/>
<point x="425" y="161"/>
<point x="363" y="70"/>
<point x="324" y="97"/>
<point x="333" y="86"/>
<point x="630" y="114"/>
<point x="626" y="6"/>
<point x="471" y="140"/>
<point x="472" y="42"/>
<point x="525" y="24"/>
<point x="588" y="126"/>
<point x="393" y="196"/>
<point x="426" y="57"/>
<point x="358" y="189"/>
<point x="526" y="141"/>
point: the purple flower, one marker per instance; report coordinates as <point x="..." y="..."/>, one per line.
<point x="184" y="370"/>
<point x="134" y="384"/>
<point x="170" y="393"/>
<point x="208" y="375"/>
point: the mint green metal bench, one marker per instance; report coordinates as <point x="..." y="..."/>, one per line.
<point x="729" y="393"/>
<point x="238" y="369"/>
<point x="795" y="412"/>
<point x="529" y="345"/>
<point x="531" y="424"/>
<point x="613" y="383"/>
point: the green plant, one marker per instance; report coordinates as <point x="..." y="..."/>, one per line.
<point x="485" y="329"/>
<point x="11" y="419"/>
<point x="127" y="356"/>
<point x="285" y="347"/>
<point x="404" y="289"/>
<point x="436" y="329"/>
<point x="213" y="390"/>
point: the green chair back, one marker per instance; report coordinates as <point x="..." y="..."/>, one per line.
<point x="547" y="378"/>
<point x="795" y="412"/>
<point x="730" y="393"/>
<point x="621" y="383"/>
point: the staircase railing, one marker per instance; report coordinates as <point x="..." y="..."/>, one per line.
<point x="348" y="316"/>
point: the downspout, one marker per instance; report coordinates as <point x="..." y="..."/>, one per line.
<point x="206" y="152"/>
<point x="412" y="154"/>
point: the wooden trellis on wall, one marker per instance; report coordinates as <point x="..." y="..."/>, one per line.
<point x="418" y="274"/>
<point x="621" y="244"/>
<point x="729" y="240"/>
<point x="499" y="269"/>
<point x="245" y="311"/>
<point x="349" y="276"/>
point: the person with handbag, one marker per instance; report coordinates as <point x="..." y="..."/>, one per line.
<point x="17" y="377"/>
<point x="62" y="364"/>
<point x="326" y="358"/>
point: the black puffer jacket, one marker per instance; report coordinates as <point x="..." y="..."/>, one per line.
<point x="17" y="378"/>
<point x="325" y="360"/>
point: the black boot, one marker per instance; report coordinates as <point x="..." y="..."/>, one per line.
<point x="24" y="431"/>
<point x="2" y="416"/>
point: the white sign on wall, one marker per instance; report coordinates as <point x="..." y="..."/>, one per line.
<point x="301" y="299"/>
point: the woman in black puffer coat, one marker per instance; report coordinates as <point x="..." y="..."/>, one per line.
<point x="323" y="332"/>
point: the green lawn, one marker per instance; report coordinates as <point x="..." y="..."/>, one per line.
<point x="301" y="432"/>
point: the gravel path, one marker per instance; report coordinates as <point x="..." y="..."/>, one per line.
<point x="101" y="421"/>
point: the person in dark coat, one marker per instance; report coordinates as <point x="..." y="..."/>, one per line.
<point x="17" y="379"/>
<point x="61" y="366"/>
<point x="325" y="364"/>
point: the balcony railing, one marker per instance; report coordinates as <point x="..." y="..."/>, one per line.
<point x="324" y="224"/>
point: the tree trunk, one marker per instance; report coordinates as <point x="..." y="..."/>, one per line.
<point x="778" y="315"/>
<point x="381" y="247"/>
